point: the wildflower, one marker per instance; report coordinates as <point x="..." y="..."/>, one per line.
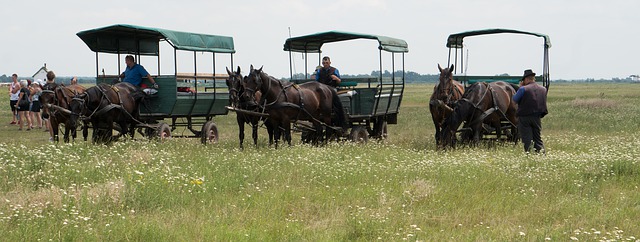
<point x="196" y="182"/>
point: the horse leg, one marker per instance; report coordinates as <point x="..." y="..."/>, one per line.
<point x="109" y="132"/>
<point x="85" y="130"/>
<point x="270" y="130"/>
<point x="240" y="130"/>
<point x="54" y="128"/>
<point x="317" y="136"/>
<point x="436" y="122"/>
<point x="477" y="134"/>
<point x="287" y="132"/>
<point x="276" y="135"/>
<point x="74" y="133"/>
<point x="67" y="130"/>
<point x="132" y="129"/>
<point x="254" y="133"/>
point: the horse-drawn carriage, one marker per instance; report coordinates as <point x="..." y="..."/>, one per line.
<point x="370" y="103"/>
<point x="485" y="108"/>
<point x="359" y="109"/>
<point x="188" y="99"/>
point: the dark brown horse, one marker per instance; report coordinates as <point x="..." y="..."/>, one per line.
<point x="445" y="93"/>
<point x="55" y="101"/>
<point x="236" y="89"/>
<point x="103" y="105"/>
<point x="483" y="103"/>
<point x="287" y="102"/>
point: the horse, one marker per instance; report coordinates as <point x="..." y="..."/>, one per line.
<point x="104" y="104"/>
<point x="446" y="92"/>
<point x="287" y="102"/>
<point x="236" y="89"/>
<point x="55" y="100"/>
<point x="483" y="103"/>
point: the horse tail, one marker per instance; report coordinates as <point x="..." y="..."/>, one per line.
<point x="340" y="119"/>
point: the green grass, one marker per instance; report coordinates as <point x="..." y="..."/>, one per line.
<point x="585" y="188"/>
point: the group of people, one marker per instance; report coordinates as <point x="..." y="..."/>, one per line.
<point x="25" y="103"/>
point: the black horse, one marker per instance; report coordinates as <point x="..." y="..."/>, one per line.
<point x="288" y="102"/>
<point x="483" y="103"/>
<point x="236" y="90"/>
<point x="55" y="100"/>
<point x="104" y="104"/>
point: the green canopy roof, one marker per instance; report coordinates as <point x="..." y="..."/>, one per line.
<point x="313" y="43"/>
<point x="455" y="40"/>
<point x="131" y="39"/>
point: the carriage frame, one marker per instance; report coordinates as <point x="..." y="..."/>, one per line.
<point x="370" y="103"/>
<point x="456" y="50"/>
<point x="197" y="108"/>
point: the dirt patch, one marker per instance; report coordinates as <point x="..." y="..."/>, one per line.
<point x="49" y="196"/>
<point x="594" y="103"/>
<point x="53" y="197"/>
<point x="419" y="190"/>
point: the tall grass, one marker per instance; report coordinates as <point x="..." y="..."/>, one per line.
<point x="585" y="188"/>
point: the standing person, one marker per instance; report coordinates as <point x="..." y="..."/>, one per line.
<point x="328" y="74"/>
<point x="135" y="72"/>
<point x="23" y="105"/>
<point x="14" y="92"/>
<point x="532" y="107"/>
<point x="35" y="104"/>
<point x="51" y="79"/>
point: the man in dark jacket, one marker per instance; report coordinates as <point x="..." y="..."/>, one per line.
<point x="532" y="107"/>
<point x="328" y="74"/>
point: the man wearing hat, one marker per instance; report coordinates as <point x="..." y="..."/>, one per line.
<point x="532" y="107"/>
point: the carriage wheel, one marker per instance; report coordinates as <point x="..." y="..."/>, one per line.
<point x="209" y="134"/>
<point x="381" y="130"/>
<point x="163" y="132"/>
<point x="359" y="134"/>
<point x="306" y="137"/>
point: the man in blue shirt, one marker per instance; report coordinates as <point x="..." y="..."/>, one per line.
<point x="328" y="74"/>
<point x="532" y="107"/>
<point x="135" y="72"/>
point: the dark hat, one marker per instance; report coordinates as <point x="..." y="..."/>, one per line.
<point x="527" y="73"/>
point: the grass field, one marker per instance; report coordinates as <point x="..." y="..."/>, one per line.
<point x="585" y="188"/>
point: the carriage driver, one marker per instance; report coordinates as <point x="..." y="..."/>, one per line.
<point x="532" y="107"/>
<point x="328" y="74"/>
<point x="135" y="72"/>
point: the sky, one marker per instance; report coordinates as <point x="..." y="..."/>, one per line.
<point x="590" y="38"/>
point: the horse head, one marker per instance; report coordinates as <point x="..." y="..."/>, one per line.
<point x="234" y="83"/>
<point x="46" y="99"/>
<point x="446" y="80"/>
<point x="252" y="84"/>
<point x="77" y="108"/>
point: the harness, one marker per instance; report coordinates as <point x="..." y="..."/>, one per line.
<point x="100" y="111"/>
<point x="283" y="92"/>
<point x="487" y="112"/>
<point x="264" y="106"/>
